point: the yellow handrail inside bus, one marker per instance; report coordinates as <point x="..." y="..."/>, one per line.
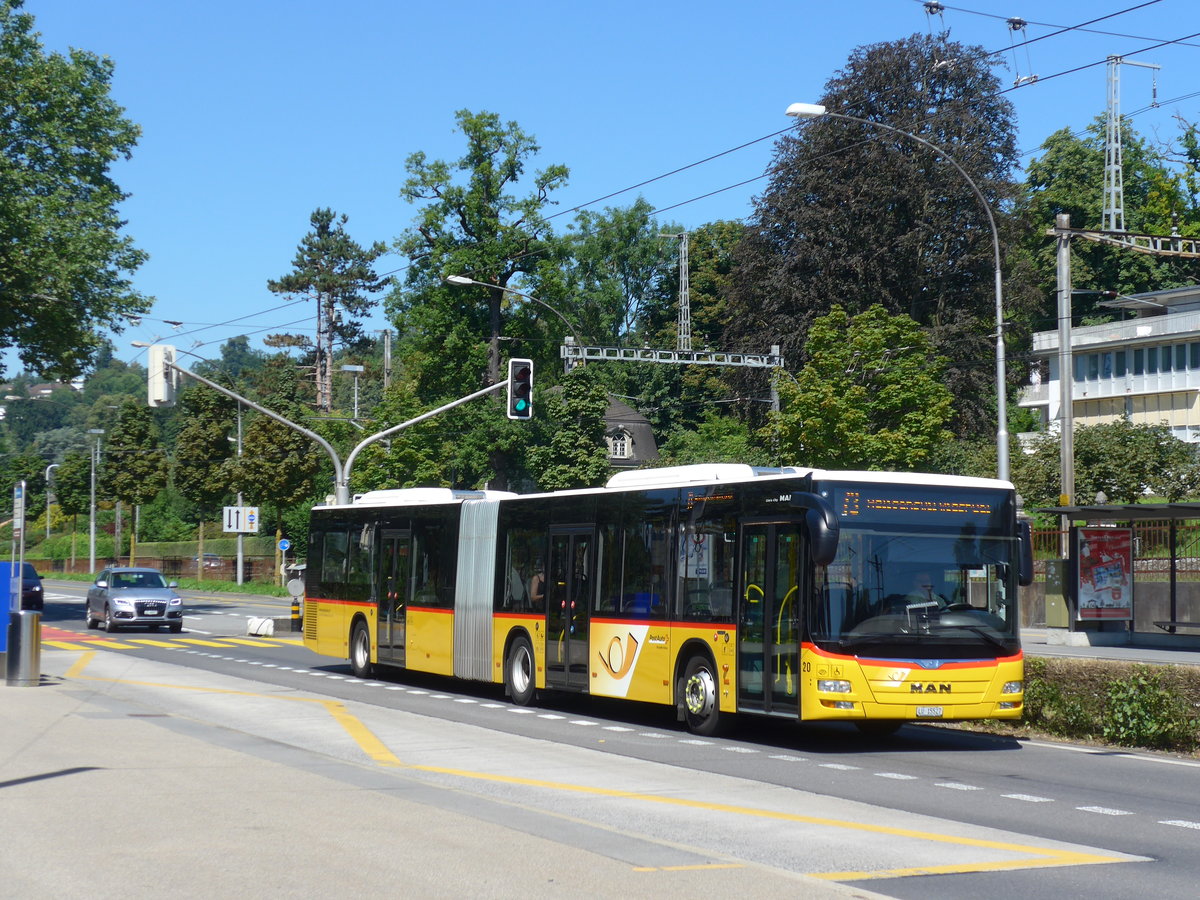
<point x="779" y="657"/>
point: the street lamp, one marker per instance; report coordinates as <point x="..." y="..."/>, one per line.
<point x="816" y="111"/>
<point x="357" y="370"/>
<point x="48" y="468"/>
<point x="92" y="516"/>
<point x="463" y="279"/>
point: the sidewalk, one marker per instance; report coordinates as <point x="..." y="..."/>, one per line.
<point x="106" y="791"/>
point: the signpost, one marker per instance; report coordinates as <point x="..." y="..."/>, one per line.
<point x="241" y="519"/>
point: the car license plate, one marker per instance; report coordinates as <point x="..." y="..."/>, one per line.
<point x="153" y="611"/>
<point x="929" y="712"/>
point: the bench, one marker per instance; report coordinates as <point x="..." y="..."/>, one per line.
<point x="1171" y="626"/>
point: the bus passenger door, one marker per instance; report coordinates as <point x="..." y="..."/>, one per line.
<point x="395" y="580"/>
<point x="569" y="578"/>
<point x="769" y="617"/>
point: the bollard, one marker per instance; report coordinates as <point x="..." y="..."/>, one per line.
<point x="24" y="663"/>
<point x="296" y="614"/>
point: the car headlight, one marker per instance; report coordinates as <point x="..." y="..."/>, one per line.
<point x="175" y="601"/>
<point x="1013" y="687"/>
<point x="123" y="603"/>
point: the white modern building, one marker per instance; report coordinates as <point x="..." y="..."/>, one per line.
<point x="1145" y="367"/>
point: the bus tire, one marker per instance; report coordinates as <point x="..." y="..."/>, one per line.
<point x="520" y="678"/>
<point x="701" y="705"/>
<point x="360" y="649"/>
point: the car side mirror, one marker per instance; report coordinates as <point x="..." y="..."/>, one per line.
<point x="101" y="584"/>
<point x="172" y="584"/>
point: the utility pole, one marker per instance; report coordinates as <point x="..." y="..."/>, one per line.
<point x="1113" y="218"/>
<point x="684" y="337"/>
<point x="1066" y="375"/>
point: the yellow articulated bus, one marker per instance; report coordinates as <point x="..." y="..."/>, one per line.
<point x="866" y="597"/>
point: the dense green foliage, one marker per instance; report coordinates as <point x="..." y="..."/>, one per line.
<point x="871" y="396"/>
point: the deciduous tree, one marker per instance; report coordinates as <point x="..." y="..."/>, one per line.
<point x="858" y="215"/>
<point x="64" y="263"/>
<point x="871" y="396"/>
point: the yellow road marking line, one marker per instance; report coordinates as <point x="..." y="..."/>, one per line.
<point x="246" y="642"/>
<point x="85" y="659"/>
<point x="151" y="642"/>
<point x="377" y="750"/>
<point x="200" y="642"/>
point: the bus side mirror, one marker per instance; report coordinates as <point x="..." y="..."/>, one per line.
<point x="1025" y="551"/>
<point x="823" y="527"/>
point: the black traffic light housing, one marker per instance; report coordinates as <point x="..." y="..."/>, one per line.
<point x="520" y="389"/>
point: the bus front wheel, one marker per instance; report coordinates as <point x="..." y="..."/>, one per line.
<point x="360" y="650"/>
<point x="519" y="678"/>
<point x="701" y="705"/>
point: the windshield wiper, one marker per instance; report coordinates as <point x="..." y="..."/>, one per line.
<point x="982" y="632"/>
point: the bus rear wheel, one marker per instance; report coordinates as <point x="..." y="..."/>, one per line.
<point x="360" y="650"/>
<point x="519" y="678"/>
<point x="701" y="705"/>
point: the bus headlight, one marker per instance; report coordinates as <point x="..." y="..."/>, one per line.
<point x="1013" y="687"/>
<point x="833" y="687"/>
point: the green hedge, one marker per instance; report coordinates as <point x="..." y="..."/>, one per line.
<point x="1110" y="702"/>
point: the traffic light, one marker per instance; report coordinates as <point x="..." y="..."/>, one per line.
<point x="162" y="380"/>
<point x="520" y="389"/>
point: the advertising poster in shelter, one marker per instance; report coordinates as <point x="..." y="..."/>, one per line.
<point x="1105" y="586"/>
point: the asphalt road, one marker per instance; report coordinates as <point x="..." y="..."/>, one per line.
<point x="929" y="812"/>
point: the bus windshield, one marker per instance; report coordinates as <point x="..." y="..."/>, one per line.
<point x="918" y="575"/>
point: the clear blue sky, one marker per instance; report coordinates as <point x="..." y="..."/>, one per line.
<point x="256" y="112"/>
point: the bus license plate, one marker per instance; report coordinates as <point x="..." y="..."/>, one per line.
<point x="929" y="712"/>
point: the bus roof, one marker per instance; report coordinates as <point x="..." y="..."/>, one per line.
<point x="424" y="496"/>
<point x="675" y="476"/>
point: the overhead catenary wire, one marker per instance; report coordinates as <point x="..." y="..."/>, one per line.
<point x="679" y="169"/>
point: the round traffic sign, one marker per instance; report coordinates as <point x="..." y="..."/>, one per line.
<point x="284" y="544"/>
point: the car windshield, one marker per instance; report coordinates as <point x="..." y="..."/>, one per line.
<point x="138" y="580"/>
<point x="28" y="571"/>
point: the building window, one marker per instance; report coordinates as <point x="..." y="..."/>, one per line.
<point x="620" y="446"/>
<point x="1120" y="355"/>
<point x="1139" y="361"/>
<point x="1151" y="360"/>
<point x="1166" y="359"/>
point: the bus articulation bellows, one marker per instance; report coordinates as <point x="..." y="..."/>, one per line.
<point x="868" y="597"/>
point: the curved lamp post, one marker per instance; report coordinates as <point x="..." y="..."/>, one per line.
<point x="816" y="111"/>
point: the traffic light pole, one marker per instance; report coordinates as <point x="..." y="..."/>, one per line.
<point x="500" y="385"/>
<point x="340" y="481"/>
<point x="341" y="473"/>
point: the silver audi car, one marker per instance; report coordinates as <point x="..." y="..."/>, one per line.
<point x="132" y="596"/>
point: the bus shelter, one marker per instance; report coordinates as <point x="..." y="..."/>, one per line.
<point x="1118" y="569"/>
